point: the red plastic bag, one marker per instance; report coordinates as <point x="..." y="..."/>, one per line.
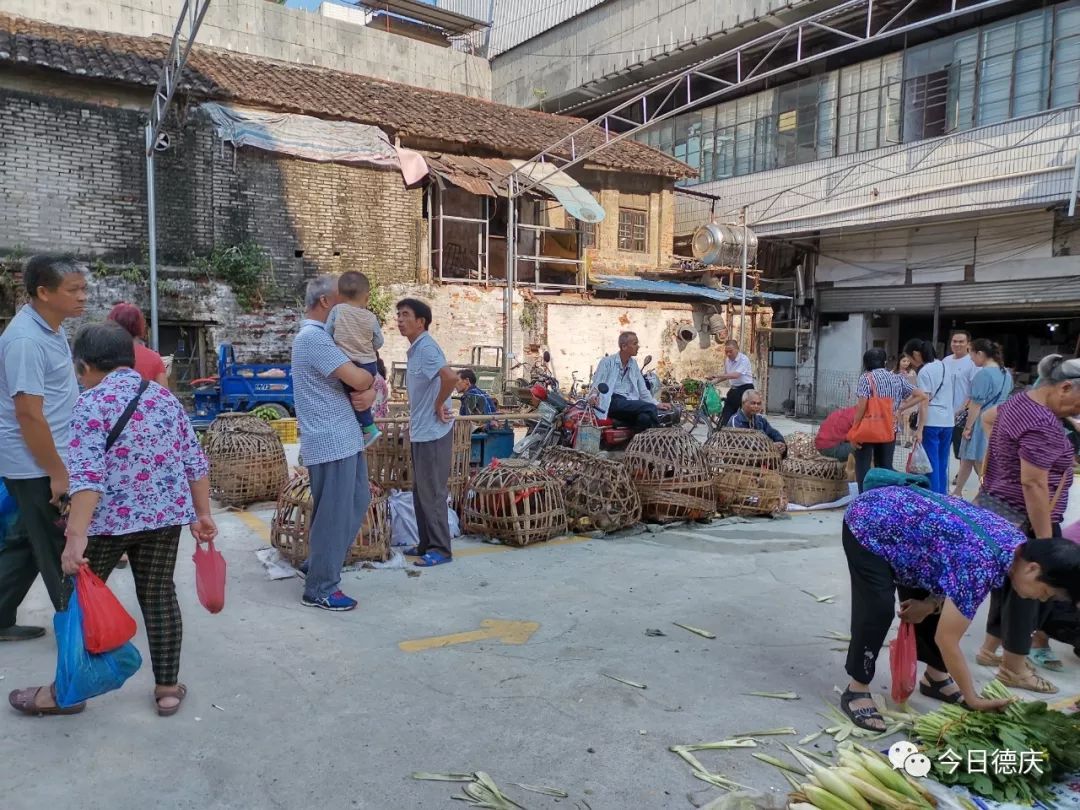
<point x="210" y="576"/>
<point x="903" y="661"/>
<point x="106" y="625"/>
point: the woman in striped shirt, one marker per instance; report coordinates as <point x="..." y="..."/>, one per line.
<point x="1029" y="471"/>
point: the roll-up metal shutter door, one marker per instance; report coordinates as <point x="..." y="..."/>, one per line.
<point x="912" y="300"/>
<point x="1058" y="294"/>
<point x="1061" y="294"/>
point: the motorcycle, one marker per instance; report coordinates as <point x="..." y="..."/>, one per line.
<point x="615" y="435"/>
<point x="558" y="418"/>
<point x="546" y="429"/>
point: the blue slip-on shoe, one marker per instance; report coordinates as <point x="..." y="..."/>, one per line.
<point x="433" y="558"/>
<point x="337" y="601"/>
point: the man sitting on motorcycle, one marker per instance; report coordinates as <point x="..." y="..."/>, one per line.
<point x="628" y="399"/>
<point x="749" y="417"/>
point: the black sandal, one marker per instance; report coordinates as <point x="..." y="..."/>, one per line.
<point x="861" y="717"/>
<point x="935" y="689"/>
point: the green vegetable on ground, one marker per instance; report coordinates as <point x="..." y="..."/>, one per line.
<point x="1010" y="756"/>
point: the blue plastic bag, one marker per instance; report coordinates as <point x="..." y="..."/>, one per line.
<point x="9" y="513"/>
<point x="80" y="675"/>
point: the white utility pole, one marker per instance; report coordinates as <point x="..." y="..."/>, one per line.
<point x="745" y="261"/>
<point x="187" y="26"/>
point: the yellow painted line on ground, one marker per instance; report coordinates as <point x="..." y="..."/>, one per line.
<point x="255" y="523"/>
<point x="506" y="632"/>
<point x="473" y="551"/>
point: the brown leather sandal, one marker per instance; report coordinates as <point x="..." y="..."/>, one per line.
<point x="24" y="701"/>
<point x="987" y="659"/>
<point x="1029" y="681"/>
<point x="179" y="692"/>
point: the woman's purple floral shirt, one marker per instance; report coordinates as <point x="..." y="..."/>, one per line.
<point x="143" y="480"/>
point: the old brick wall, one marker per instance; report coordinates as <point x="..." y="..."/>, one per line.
<point x="654" y="195"/>
<point x="72" y="179"/>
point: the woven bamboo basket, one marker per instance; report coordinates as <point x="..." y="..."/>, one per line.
<point x="599" y="492"/>
<point x="460" y="455"/>
<point x="290" y="531"/>
<point x="515" y="502"/>
<point x="739" y="447"/>
<point x="389" y="459"/>
<point x="247" y="460"/>
<point x="809" y="482"/>
<point x="801" y="445"/>
<point x="671" y="475"/>
<point x="750" y="491"/>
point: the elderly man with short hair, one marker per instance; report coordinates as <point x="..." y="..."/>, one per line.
<point x="331" y="445"/>
<point x="37" y="394"/>
<point x="749" y="417"/>
<point x="627" y="399"/>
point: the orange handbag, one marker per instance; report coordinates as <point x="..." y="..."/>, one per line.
<point x="878" y="424"/>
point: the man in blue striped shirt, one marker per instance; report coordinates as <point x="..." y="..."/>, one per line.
<point x="331" y="445"/>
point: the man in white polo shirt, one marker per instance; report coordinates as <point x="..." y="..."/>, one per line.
<point x="37" y="393"/>
<point x="738" y="372"/>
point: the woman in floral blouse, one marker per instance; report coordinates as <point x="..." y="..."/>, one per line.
<point x="133" y="498"/>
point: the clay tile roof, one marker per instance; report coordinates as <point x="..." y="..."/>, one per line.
<point x="413" y="113"/>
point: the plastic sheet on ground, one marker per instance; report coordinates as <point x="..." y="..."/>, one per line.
<point x="1066" y="797"/>
<point x="396" y="562"/>
<point x="403" y="519"/>
<point x="277" y="567"/>
<point x="853" y="490"/>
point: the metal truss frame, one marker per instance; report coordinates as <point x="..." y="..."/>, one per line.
<point x="172" y="71"/>
<point x="845" y="26"/>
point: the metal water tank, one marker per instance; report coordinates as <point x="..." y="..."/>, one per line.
<point x="723" y="245"/>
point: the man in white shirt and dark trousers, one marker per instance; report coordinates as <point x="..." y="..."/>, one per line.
<point x="962" y="370"/>
<point x="738" y="372"/>
<point x="628" y="399"/>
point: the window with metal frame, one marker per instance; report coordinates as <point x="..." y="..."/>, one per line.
<point x="588" y="235"/>
<point x="633" y="230"/>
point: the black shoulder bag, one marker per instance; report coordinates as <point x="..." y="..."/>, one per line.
<point x="125" y="417"/>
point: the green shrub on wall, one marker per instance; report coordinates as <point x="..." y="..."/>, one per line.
<point x="380" y="302"/>
<point x="245" y="268"/>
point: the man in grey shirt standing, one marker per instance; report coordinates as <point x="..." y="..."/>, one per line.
<point x="430" y="382"/>
<point x="331" y="445"/>
<point x="37" y="393"/>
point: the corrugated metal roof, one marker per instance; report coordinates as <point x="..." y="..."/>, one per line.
<point x="480" y="176"/>
<point x="644" y="286"/>
<point x="517" y="21"/>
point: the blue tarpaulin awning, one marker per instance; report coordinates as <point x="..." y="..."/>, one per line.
<point x="676" y="289"/>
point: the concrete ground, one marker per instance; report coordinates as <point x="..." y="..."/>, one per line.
<point x="291" y="707"/>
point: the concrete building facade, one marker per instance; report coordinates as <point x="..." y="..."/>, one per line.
<point x="918" y="184"/>
<point x="334" y="37"/>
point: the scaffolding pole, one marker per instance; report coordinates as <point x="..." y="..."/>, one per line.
<point x="187" y="27"/>
<point x="511" y="274"/>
